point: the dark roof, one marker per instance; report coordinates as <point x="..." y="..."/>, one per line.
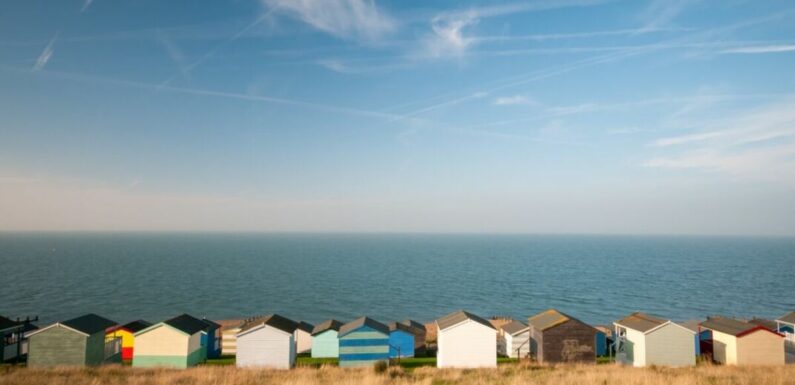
<point x="211" y="324"/>
<point x="306" y="326"/>
<point x="394" y="326"/>
<point x="641" y="322"/>
<point x="548" y="319"/>
<point x="186" y="323"/>
<point x="456" y="318"/>
<point x="136" y="326"/>
<point x="788" y="318"/>
<point x="693" y="324"/>
<point x="766" y="323"/>
<point x="513" y="327"/>
<point x="413" y="323"/>
<point x="364" y="321"/>
<point x="89" y="324"/>
<point x="730" y="326"/>
<point x="274" y="320"/>
<point x="330" y="324"/>
<point x="6" y="323"/>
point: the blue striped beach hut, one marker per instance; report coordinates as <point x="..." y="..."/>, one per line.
<point x="363" y="342"/>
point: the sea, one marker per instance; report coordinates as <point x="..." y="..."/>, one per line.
<point x="313" y="277"/>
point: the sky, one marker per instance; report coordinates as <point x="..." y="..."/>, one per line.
<point x="569" y="116"/>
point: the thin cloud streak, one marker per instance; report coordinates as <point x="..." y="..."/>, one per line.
<point x="86" y="4"/>
<point x="45" y="55"/>
<point x="761" y="49"/>
<point x="351" y="19"/>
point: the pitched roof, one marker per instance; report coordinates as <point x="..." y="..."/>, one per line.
<point x="766" y="323"/>
<point x="413" y="323"/>
<point x="788" y="318"/>
<point x="607" y="330"/>
<point x="693" y="324"/>
<point x="457" y="317"/>
<point x="364" y="321"/>
<point x="548" y="319"/>
<point x="230" y="323"/>
<point x="330" y="324"/>
<point x="211" y="324"/>
<point x="274" y="320"/>
<point x="730" y="326"/>
<point x="306" y="326"/>
<point x="514" y="327"/>
<point x="136" y="326"/>
<point x="6" y="323"/>
<point x="641" y="322"/>
<point x="186" y="323"/>
<point x="89" y="324"/>
<point x="394" y="326"/>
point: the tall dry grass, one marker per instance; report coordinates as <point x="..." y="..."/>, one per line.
<point x="505" y="375"/>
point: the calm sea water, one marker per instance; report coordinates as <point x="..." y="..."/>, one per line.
<point x="388" y="277"/>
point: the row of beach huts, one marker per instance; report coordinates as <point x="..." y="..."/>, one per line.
<point x="458" y="340"/>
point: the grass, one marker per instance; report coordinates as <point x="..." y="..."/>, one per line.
<point x="507" y="374"/>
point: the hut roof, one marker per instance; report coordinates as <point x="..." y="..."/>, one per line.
<point x="211" y="324"/>
<point x="766" y="323"/>
<point x="456" y="318"/>
<point x="274" y="320"/>
<point x="606" y="330"/>
<point x="692" y="324"/>
<point x="230" y="323"/>
<point x="6" y="323"/>
<point x="514" y="327"/>
<point x="363" y="321"/>
<point x="394" y="326"/>
<point x="731" y="326"/>
<point x="89" y="323"/>
<point x="186" y="323"/>
<point x="136" y="326"/>
<point x="641" y="322"/>
<point x="788" y="318"/>
<point x="306" y="326"/>
<point x="549" y="319"/>
<point x="330" y="324"/>
<point x="413" y="323"/>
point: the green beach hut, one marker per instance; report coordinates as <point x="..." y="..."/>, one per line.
<point x="77" y="342"/>
<point x="173" y="343"/>
<point x="324" y="339"/>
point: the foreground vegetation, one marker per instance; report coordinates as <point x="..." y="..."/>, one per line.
<point x="504" y="375"/>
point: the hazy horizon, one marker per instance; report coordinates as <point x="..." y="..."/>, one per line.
<point x="591" y="117"/>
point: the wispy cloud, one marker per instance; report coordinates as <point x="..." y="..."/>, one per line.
<point x="173" y="52"/>
<point x="661" y="13"/>
<point x="761" y="49"/>
<point x="448" y="35"/>
<point x="358" y="19"/>
<point x="45" y="55"/>
<point x="515" y="100"/>
<point x="86" y="4"/>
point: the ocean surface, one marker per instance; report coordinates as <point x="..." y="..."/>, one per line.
<point x="127" y="276"/>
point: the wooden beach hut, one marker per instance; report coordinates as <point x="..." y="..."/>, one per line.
<point x="465" y="340"/>
<point x="211" y="338"/>
<point x="701" y="337"/>
<point x="76" y="342"/>
<point x="303" y="337"/>
<point x="515" y="339"/>
<point x="229" y="330"/>
<point x="173" y="343"/>
<point x="604" y="338"/>
<point x="557" y="337"/>
<point x="644" y="340"/>
<point x="785" y="325"/>
<point x="325" y="343"/>
<point x="126" y="333"/>
<point x="736" y="342"/>
<point x="267" y="342"/>
<point x="401" y="340"/>
<point x="363" y="342"/>
<point x="13" y="342"/>
<point x="420" y="335"/>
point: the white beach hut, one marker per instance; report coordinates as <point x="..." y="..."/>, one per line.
<point x="303" y="337"/>
<point x="267" y="342"/>
<point x="465" y="341"/>
<point x="515" y="340"/>
<point x="645" y="340"/>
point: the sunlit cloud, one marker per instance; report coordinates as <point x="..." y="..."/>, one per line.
<point x="761" y="49"/>
<point x="515" y="100"/>
<point x="358" y="19"/>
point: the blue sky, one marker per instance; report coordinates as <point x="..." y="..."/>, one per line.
<point x="572" y="116"/>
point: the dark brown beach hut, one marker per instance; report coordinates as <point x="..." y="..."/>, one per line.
<point x="556" y="337"/>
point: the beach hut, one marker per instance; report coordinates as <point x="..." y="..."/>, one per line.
<point x="515" y="339"/>
<point x="324" y="339"/>
<point x="604" y="338"/>
<point x="126" y="333"/>
<point x="229" y="330"/>
<point x="174" y="343"/>
<point x="420" y="335"/>
<point x="736" y="342"/>
<point x="701" y="339"/>
<point x="76" y="342"/>
<point x="557" y="337"/>
<point x="786" y="325"/>
<point x="267" y="342"/>
<point x="401" y="340"/>
<point x="13" y="343"/>
<point x="303" y="337"/>
<point x="643" y="340"/>
<point x="363" y="342"/>
<point x="465" y="340"/>
<point x="211" y="338"/>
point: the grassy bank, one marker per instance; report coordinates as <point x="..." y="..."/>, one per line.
<point x="504" y="375"/>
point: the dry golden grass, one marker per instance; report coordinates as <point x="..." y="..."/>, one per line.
<point x="505" y="375"/>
